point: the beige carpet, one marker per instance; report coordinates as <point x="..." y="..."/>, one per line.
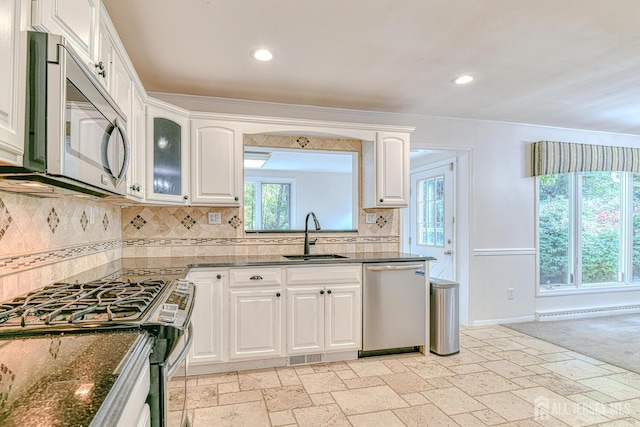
<point x="611" y="339"/>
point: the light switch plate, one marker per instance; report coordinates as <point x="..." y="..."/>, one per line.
<point x="215" y="218"/>
<point x="371" y="218"/>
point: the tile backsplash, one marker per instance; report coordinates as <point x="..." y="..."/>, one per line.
<point x="184" y="231"/>
<point x="47" y="239"/>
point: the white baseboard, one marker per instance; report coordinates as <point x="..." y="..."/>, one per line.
<point x="503" y="321"/>
<point x="545" y="316"/>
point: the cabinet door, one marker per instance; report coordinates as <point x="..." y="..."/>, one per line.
<point x="255" y="323"/>
<point x="208" y="317"/>
<point x="343" y="314"/>
<point x="392" y="169"/>
<point x="76" y="20"/>
<point x="104" y="60"/>
<point x="305" y="320"/>
<point x="136" y="124"/>
<point x="216" y="163"/>
<point x="168" y="158"/>
<point x="12" y="84"/>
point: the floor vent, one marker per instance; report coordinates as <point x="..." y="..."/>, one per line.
<point x="587" y="312"/>
<point x="304" y="359"/>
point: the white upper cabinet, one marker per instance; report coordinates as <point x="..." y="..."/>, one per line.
<point x="216" y="163"/>
<point x="77" y="20"/>
<point x="12" y="83"/>
<point x="136" y="125"/>
<point x="385" y="169"/>
<point x="167" y="154"/>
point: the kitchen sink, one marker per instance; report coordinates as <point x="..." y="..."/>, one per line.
<point x="313" y="256"/>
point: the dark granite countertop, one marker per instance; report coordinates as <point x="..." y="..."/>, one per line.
<point x="63" y="380"/>
<point x="175" y="267"/>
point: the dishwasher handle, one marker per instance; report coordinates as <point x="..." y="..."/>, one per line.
<point x="396" y="267"/>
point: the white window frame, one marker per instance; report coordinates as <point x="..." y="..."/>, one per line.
<point x="625" y="250"/>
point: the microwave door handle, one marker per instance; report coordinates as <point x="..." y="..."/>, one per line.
<point x="127" y="151"/>
<point x="117" y="124"/>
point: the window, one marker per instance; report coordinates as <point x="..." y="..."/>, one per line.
<point x="430" y="208"/>
<point x="588" y="230"/>
<point x="268" y="204"/>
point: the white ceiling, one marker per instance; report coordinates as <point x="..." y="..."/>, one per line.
<point x="567" y="63"/>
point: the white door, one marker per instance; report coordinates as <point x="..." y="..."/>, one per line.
<point x="432" y="218"/>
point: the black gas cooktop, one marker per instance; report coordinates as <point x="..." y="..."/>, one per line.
<point x="92" y="304"/>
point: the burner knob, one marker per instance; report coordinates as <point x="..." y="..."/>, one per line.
<point x="182" y="285"/>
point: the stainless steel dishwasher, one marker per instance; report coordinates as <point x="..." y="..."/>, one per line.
<point x="394" y="306"/>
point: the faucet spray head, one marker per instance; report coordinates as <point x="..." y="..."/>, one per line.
<point x="315" y="220"/>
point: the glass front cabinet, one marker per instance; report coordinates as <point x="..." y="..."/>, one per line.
<point x="168" y="154"/>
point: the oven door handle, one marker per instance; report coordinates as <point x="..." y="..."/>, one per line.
<point x="171" y="368"/>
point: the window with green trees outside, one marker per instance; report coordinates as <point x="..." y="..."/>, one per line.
<point x="588" y="230"/>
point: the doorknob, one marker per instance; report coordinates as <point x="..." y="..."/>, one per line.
<point x="447" y="252"/>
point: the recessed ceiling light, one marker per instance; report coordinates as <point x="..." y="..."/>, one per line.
<point x="263" y="54"/>
<point x="463" y="79"/>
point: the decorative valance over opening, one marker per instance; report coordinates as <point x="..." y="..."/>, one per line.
<point x="549" y="157"/>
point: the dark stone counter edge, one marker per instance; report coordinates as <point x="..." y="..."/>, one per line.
<point x="284" y="261"/>
<point x="111" y="409"/>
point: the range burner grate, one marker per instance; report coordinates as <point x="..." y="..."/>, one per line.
<point x="80" y="303"/>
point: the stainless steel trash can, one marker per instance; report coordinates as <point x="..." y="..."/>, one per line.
<point x="444" y="317"/>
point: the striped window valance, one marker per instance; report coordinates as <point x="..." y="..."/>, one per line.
<point x="549" y="157"/>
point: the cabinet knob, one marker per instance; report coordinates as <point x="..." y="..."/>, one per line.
<point x="102" y="72"/>
<point x="381" y="200"/>
<point x="329" y="291"/>
<point x="185" y="197"/>
<point x="219" y="276"/>
<point x="236" y="198"/>
<point x="278" y="294"/>
<point x="322" y="292"/>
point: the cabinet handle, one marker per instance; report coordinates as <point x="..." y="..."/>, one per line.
<point x="236" y="198"/>
<point x="255" y="278"/>
<point x="329" y="291"/>
<point x="219" y="276"/>
<point x="322" y="292"/>
<point x="278" y="294"/>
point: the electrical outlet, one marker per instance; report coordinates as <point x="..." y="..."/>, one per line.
<point x="371" y="218"/>
<point x="510" y="293"/>
<point x="215" y="218"/>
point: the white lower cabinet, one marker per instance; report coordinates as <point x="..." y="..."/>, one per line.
<point x="256" y="298"/>
<point x="250" y="314"/>
<point x="208" y="317"/>
<point x="324" y="309"/>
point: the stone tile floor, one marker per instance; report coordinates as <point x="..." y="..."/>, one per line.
<point x="500" y="378"/>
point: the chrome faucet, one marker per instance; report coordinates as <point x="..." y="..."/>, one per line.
<point x="306" y="232"/>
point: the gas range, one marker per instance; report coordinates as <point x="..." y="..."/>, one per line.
<point x="96" y="305"/>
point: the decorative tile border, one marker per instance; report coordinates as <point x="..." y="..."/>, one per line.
<point x="25" y="262"/>
<point x="256" y="241"/>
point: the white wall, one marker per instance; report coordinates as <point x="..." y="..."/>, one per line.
<point x="499" y="251"/>
<point x="328" y="195"/>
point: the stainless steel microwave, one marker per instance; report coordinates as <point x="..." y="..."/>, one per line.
<point x="75" y="134"/>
